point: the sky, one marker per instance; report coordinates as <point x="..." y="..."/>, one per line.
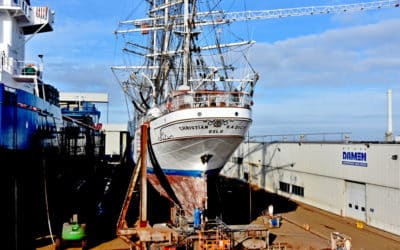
<point x="326" y="73"/>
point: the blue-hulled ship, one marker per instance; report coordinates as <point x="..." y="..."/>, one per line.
<point x="29" y="109"/>
<point x="49" y="154"/>
<point x="30" y="119"/>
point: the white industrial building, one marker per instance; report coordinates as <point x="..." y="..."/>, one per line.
<point x="360" y="180"/>
<point x="116" y="135"/>
<point x="116" y="140"/>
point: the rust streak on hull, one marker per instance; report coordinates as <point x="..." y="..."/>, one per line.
<point x="191" y="191"/>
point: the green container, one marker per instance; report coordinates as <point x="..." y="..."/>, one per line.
<point x="30" y="71"/>
<point x="73" y="231"/>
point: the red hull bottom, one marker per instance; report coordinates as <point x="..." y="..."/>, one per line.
<point x="190" y="191"/>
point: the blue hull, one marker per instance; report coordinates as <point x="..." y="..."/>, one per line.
<point x="26" y="121"/>
<point x="187" y="173"/>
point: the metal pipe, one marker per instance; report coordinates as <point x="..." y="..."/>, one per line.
<point x="389" y="132"/>
<point x="143" y="175"/>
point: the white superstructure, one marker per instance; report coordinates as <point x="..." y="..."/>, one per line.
<point x="116" y="140"/>
<point x="19" y="19"/>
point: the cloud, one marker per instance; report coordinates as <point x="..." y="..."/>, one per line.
<point x="335" y="81"/>
<point x="357" y="55"/>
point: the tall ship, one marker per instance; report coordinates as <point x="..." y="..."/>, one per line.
<point x="192" y="89"/>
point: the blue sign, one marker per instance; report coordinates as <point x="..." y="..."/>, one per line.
<point x="354" y="158"/>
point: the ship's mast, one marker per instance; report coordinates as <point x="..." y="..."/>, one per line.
<point x="153" y="76"/>
<point x="165" y="46"/>
<point x="166" y="32"/>
<point x="186" y="46"/>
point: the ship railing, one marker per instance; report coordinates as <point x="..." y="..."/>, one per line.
<point x="6" y="61"/>
<point x="21" y="6"/>
<point x="32" y="15"/>
<point x="204" y="98"/>
<point x="302" y="137"/>
<point x="41" y="15"/>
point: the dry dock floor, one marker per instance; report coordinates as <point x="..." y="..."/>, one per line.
<point x="306" y="228"/>
<point x="302" y="226"/>
<point x="310" y="228"/>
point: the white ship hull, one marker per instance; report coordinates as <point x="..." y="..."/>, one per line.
<point x="179" y="139"/>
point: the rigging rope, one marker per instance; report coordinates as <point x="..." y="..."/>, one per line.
<point x="160" y="173"/>
<point x="127" y="107"/>
<point x="46" y="199"/>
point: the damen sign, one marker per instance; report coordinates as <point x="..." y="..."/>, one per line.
<point x="354" y="158"/>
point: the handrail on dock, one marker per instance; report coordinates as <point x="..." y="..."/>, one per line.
<point x="302" y="137"/>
